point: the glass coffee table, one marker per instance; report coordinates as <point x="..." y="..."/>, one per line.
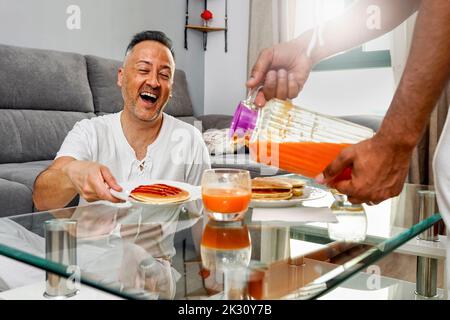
<point x="301" y="251"/>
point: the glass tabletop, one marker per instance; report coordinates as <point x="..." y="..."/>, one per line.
<point x="300" y="251"/>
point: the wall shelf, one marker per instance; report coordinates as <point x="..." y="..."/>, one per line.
<point x="204" y="28"/>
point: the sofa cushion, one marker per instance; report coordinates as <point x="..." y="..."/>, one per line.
<point x="102" y="75"/>
<point x="215" y="121"/>
<point x="180" y="105"/>
<point x="24" y="173"/>
<point x="43" y="80"/>
<point x="193" y="121"/>
<point x="15" y="198"/>
<point x="30" y="135"/>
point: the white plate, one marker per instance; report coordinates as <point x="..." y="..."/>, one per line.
<point x="194" y="192"/>
<point x="309" y="193"/>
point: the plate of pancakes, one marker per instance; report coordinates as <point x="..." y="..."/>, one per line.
<point x="279" y="192"/>
<point x="157" y="192"/>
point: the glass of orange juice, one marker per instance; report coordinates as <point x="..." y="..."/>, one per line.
<point x="226" y="193"/>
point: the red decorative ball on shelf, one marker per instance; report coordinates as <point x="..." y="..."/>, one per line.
<point x="206" y="15"/>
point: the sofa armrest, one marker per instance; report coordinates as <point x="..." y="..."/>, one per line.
<point x="215" y="121"/>
<point x="370" y="121"/>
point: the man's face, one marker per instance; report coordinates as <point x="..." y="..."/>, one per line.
<point x="146" y="80"/>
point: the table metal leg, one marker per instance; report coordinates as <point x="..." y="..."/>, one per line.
<point x="426" y="284"/>
<point x="427" y="268"/>
<point x="60" y="247"/>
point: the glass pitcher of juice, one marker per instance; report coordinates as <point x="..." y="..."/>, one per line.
<point x="300" y="141"/>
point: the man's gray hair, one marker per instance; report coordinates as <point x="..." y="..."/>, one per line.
<point x="151" y="35"/>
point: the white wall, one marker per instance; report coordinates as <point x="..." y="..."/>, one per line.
<point x="226" y="73"/>
<point x="216" y="79"/>
<point x="344" y="92"/>
<point x="106" y="28"/>
<point x="348" y="92"/>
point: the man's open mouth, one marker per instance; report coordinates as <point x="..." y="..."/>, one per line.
<point x="148" y="97"/>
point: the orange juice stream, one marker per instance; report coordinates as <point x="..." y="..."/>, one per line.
<point x="305" y="158"/>
<point x="226" y="200"/>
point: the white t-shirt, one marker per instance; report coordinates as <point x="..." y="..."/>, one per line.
<point x="178" y="153"/>
<point x="441" y="167"/>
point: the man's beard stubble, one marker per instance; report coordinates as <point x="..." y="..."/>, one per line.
<point x="152" y="119"/>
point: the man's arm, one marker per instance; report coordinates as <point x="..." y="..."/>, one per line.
<point x="284" y="68"/>
<point x="58" y="185"/>
<point x="426" y="73"/>
<point x="380" y="165"/>
<point x="53" y="188"/>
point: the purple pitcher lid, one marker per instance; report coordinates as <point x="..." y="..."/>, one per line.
<point x="245" y="116"/>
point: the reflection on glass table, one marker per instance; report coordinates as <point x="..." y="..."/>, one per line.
<point x="352" y="221"/>
<point x="124" y="250"/>
<point x="177" y="253"/>
<point x="225" y="253"/>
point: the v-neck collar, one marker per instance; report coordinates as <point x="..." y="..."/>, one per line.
<point x="151" y="146"/>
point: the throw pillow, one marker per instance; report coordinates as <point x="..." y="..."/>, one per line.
<point x="219" y="142"/>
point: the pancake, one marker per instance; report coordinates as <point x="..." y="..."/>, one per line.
<point x="270" y="189"/>
<point x="261" y="195"/>
<point x="297" y="192"/>
<point x="297" y="185"/>
<point x="159" y="194"/>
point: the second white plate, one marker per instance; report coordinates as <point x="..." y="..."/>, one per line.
<point x="309" y="193"/>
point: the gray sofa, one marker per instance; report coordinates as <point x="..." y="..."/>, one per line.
<point x="44" y="93"/>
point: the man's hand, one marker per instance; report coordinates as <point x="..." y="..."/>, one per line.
<point x="92" y="180"/>
<point x="282" y="69"/>
<point x="379" y="170"/>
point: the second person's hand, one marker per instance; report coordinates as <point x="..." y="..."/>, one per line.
<point x="282" y="70"/>
<point x="379" y="170"/>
